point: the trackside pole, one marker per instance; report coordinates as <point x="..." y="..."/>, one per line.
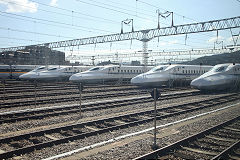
<point x="155" y="95"/>
<point x="80" y="98"/>
<point x="4" y="91"/>
<point x="35" y="92"/>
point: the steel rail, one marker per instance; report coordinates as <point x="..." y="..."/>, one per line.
<point x="165" y="150"/>
<point x="73" y="132"/>
<point x="39" y="113"/>
<point x="74" y="97"/>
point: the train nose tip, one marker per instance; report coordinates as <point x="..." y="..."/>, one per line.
<point x="136" y="80"/>
<point x="26" y="76"/>
<point x="74" y="78"/>
<point x="195" y="83"/>
<point x="200" y="83"/>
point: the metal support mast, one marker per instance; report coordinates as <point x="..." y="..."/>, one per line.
<point x="145" y="48"/>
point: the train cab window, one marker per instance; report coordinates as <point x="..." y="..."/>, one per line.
<point x="40" y="68"/>
<point x="94" y="69"/>
<point x="221" y="69"/>
<point x="157" y="69"/>
<point x="52" y="69"/>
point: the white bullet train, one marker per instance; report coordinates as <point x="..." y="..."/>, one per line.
<point x="167" y="75"/>
<point x="53" y="73"/>
<point x="101" y="74"/>
<point x="220" y="77"/>
<point x="14" y="71"/>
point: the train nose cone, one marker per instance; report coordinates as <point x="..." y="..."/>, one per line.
<point x="200" y="83"/>
<point x="137" y="80"/>
<point x="75" y="77"/>
<point x="27" y="76"/>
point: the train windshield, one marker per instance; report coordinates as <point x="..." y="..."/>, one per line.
<point x="156" y="69"/>
<point x="95" y="69"/>
<point x="39" y="68"/>
<point x="52" y="69"/>
<point x="219" y="68"/>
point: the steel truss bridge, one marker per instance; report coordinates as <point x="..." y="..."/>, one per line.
<point x="143" y="35"/>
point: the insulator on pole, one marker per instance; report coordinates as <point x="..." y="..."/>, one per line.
<point x="185" y="39"/>
<point x="132" y="26"/>
<point x="122" y="27"/>
<point x="131" y="44"/>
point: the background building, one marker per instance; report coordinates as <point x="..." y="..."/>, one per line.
<point x="33" y="55"/>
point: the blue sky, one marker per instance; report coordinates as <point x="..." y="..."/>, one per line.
<point x="25" y="22"/>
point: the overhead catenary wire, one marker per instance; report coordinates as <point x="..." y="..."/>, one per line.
<point x="24" y="31"/>
<point x="115" y="10"/>
<point x="55" y="22"/>
<point x="56" y="25"/>
<point x="101" y="19"/>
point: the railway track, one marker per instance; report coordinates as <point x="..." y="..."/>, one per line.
<point x="40" y="113"/>
<point x="75" y="97"/>
<point x="29" y="87"/>
<point x="67" y="99"/>
<point x="25" y="143"/>
<point x="64" y="91"/>
<point x="219" y="142"/>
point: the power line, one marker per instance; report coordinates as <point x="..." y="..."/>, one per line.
<point x="72" y="11"/>
<point x="22" y="39"/>
<point x="64" y="9"/>
<point x="24" y="31"/>
<point x="115" y="10"/>
<point x="113" y="6"/>
<point x="24" y="19"/>
<point x="50" y="21"/>
<point x="165" y="10"/>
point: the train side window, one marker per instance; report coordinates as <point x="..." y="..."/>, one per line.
<point x="182" y="71"/>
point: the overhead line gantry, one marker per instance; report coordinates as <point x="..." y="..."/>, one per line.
<point x="144" y="35"/>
